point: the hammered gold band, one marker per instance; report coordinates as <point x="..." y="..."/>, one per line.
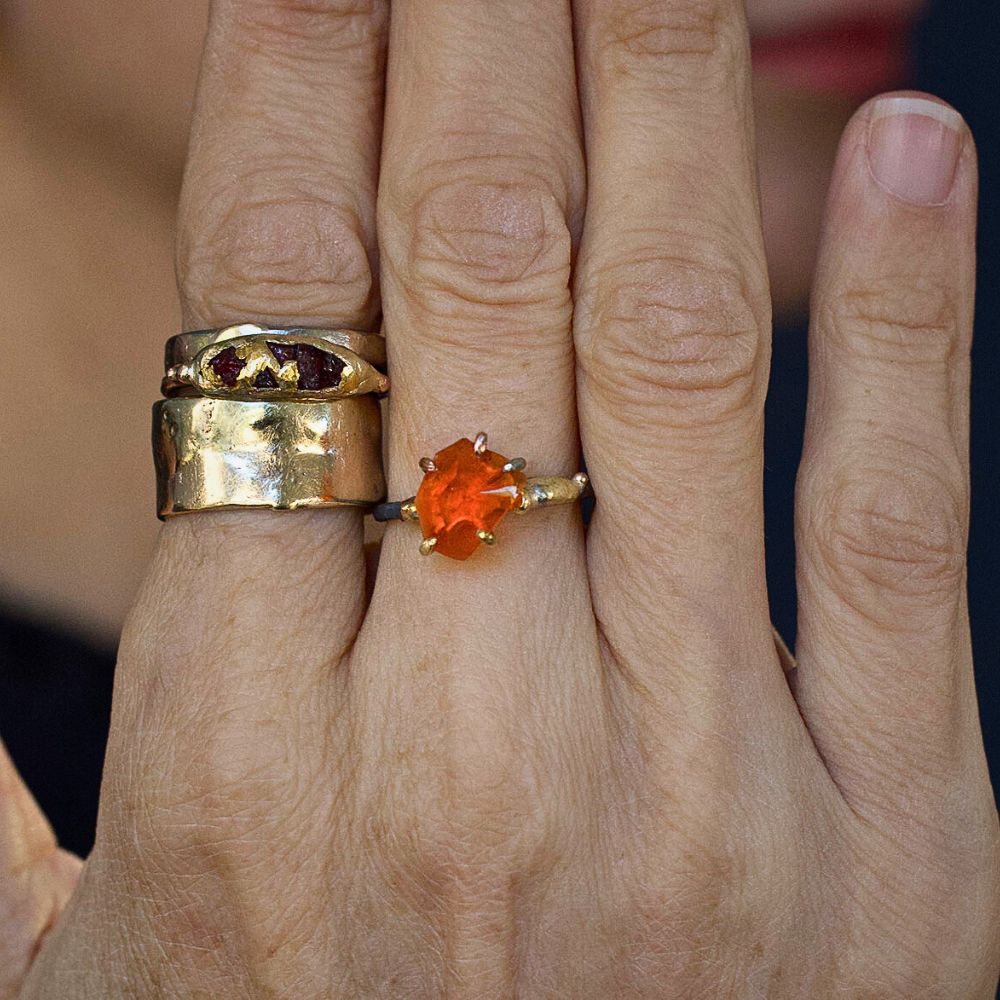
<point x="269" y="418"/>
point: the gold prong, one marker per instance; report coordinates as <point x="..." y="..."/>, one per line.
<point x="583" y="479"/>
<point x="479" y="445"/>
<point x="486" y="537"/>
<point x="515" y="465"/>
<point x="427" y="546"/>
<point x="408" y="510"/>
<point x="427" y="464"/>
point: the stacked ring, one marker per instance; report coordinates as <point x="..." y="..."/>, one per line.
<point x="274" y="418"/>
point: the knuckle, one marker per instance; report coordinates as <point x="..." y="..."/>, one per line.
<point x="898" y="531"/>
<point x="677" y="884"/>
<point x="670" y="40"/>
<point x="216" y="824"/>
<point x="301" y="257"/>
<point x="465" y="843"/>
<point x="901" y="322"/>
<point x="471" y="245"/>
<point x="669" y="329"/>
<point x="215" y="797"/>
<point x="311" y="22"/>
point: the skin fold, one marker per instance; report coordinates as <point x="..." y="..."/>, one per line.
<point x="571" y="766"/>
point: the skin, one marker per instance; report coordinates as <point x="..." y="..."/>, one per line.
<point x="84" y="127"/>
<point x="570" y="767"/>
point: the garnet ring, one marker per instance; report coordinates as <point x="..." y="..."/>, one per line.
<point x="467" y="491"/>
<point x="254" y="363"/>
<point x="270" y="418"/>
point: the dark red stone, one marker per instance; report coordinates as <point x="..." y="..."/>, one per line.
<point x="227" y="365"/>
<point x="318" y="369"/>
<point x="283" y="352"/>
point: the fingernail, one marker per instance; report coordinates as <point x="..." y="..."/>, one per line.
<point x="913" y="148"/>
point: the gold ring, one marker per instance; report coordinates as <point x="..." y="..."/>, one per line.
<point x="183" y="348"/>
<point x="272" y="418"/>
<point x="266" y="366"/>
<point x="216" y="454"/>
<point x="466" y="492"/>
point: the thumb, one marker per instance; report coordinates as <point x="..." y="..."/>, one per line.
<point x="36" y="878"/>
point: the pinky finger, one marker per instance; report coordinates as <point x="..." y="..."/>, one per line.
<point x="885" y="673"/>
<point x="36" y="878"/>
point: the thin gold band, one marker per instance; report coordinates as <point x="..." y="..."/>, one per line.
<point x="467" y="490"/>
<point x="275" y="365"/>
<point x="539" y="491"/>
<point x="183" y="348"/>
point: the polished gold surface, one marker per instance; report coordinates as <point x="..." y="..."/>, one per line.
<point x="549" y="491"/>
<point x="185" y="347"/>
<point x="200" y="377"/>
<point x="214" y="454"/>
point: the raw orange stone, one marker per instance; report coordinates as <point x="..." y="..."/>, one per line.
<point x="465" y="493"/>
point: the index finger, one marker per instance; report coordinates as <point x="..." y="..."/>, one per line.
<point x="222" y="694"/>
<point x="277" y="226"/>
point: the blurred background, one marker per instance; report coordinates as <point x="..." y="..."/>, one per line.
<point x="95" y="100"/>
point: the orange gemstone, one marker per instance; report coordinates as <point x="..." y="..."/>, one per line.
<point x="464" y="494"/>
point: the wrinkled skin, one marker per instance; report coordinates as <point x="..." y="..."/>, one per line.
<point x="105" y="122"/>
<point x="569" y="767"/>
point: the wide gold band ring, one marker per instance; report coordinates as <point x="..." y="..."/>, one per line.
<point x="269" y="418"/>
<point x="216" y="454"/>
<point x="466" y="492"/>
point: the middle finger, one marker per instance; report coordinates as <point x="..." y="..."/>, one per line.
<point x="480" y="194"/>
<point x="481" y="190"/>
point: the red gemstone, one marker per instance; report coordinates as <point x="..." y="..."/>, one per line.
<point x="317" y="369"/>
<point x="227" y="365"/>
<point x="466" y="493"/>
<point x="283" y="352"/>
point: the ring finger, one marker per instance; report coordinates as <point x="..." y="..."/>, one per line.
<point x="672" y="333"/>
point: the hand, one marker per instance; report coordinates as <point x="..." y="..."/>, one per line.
<point x="567" y="767"/>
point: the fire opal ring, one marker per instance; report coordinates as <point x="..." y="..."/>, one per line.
<point x="467" y="491"/>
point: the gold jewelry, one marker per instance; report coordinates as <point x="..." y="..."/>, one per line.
<point x="466" y="492"/>
<point x="785" y="656"/>
<point x="213" y="454"/>
<point x="183" y="348"/>
<point x="264" y="366"/>
<point x="270" y="418"/>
